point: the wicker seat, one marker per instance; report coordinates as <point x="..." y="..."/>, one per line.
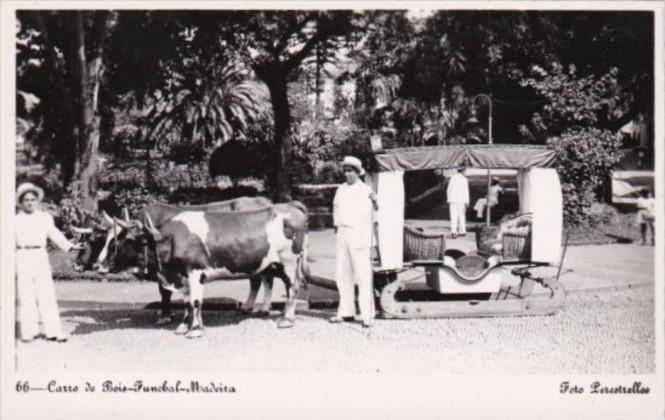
<point x="419" y="245"/>
<point x="510" y="238"/>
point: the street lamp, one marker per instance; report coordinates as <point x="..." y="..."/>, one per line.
<point x="489" y="141"/>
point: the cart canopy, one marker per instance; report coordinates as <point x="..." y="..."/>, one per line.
<point x="492" y="156"/>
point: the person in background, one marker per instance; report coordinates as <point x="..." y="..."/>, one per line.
<point x="495" y="190"/>
<point x="353" y="208"/>
<point x="646" y="214"/>
<point x="34" y="282"/>
<point x="458" y="200"/>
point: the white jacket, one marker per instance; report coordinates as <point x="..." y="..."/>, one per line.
<point x="458" y="189"/>
<point x="33" y="229"/>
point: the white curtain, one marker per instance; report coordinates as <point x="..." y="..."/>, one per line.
<point x="540" y="194"/>
<point x="389" y="187"/>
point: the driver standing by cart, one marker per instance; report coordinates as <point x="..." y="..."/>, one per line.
<point x="353" y="207"/>
<point x="458" y="199"/>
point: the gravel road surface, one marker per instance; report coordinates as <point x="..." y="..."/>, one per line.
<point x="610" y="332"/>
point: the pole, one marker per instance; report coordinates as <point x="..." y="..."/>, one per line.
<point x="489" y="175"/>
<point x="487" y="203"/>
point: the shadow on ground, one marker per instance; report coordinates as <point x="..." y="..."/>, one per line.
<point x="94" y="320"/>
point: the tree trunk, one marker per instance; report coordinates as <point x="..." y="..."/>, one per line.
<point x="90" y="121"/>
<point x="280" y="103"/>
<point x="317" y="107"/>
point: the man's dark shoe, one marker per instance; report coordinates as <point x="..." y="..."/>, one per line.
<point x="338" y="319"/>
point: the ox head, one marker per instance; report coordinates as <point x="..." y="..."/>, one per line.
<point x="133" y="246"/>
<point x="101" y="238"/>
<point x="94" y="233"/>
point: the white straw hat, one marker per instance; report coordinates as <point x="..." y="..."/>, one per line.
<point x="29" y="187"/>
<point x="354" y="163"/>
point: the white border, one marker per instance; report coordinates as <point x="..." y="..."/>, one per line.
<point x="313" y="396"/>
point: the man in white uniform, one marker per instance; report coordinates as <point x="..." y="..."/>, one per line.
<point x="458" y="200"/>
<point x="354" y="204"/>
<point x="34" y="282"/>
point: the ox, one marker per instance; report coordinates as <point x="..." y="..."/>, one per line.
<point x="197" y="246"/>
<point x="124" y="257"/>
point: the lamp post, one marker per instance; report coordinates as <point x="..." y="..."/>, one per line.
<point x="489" y="141"/>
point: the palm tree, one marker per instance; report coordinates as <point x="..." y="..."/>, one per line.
<point x="207" y="105"/>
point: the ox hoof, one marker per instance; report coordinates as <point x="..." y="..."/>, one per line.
<point x="244" y="311"/>
<point x="197" y="333"/>
<point x="164" y="320"/>
<point x="182" y="329"/>
<point x="285" y="323"/>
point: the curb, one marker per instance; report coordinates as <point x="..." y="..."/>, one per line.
<point x="615" y="288"/>
<point x="221" y="304"/>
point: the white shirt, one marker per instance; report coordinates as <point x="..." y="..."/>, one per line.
<point x="648" y="205"/>
<point x="352" y="206"/>
<point x="33" y="229"/>
<point x="494" y="194"/>
<point x="458" y="189"/>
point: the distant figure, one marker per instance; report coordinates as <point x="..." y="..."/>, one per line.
<point x="458" y="200"/>
<point x="495" y="190"/>
<point x="646" y="214"/>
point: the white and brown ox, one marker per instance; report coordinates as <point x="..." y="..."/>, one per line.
<point x="196" y="246"/>
<point x="112" y="257"/>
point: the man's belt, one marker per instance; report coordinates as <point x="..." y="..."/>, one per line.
<point x="29" y="247"/>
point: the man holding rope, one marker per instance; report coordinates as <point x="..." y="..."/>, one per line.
<point x="353" y="218"/>
<point x="34" y="282"/>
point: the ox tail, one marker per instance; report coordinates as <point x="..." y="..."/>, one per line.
<point x="302" y="268"/>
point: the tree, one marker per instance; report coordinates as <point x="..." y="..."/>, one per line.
<point x="276" y="44"/>
<point x="573" y="120"/>
<point x="73" y="44"/>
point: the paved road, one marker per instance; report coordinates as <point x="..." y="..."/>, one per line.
<point x="607" y="332"/>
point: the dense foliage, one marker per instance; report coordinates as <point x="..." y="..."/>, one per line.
<point x="294" y="91"/>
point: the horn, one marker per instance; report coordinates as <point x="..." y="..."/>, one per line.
<point x="107" y="218"/>
<point x="156" y="234"/>
<point x="125" y="214"/>
<point x="121" y="223"/>
<point x="80" y="231"/>
<point x="149" y="223"/>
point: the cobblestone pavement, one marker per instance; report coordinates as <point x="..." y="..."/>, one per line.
<point x="606" y="332"/>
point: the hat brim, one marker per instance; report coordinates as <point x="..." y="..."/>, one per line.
<point x="24" y="189"/>
<point x="360" y="170"/>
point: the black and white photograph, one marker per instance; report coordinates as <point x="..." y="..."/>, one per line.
<point x="346" y="210"/>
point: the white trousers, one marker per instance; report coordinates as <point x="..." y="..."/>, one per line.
<point x="36" y="294"/>
<point x="353" y="267"/>
<point x="480" y="207"/>
<point x="457" y="217"/>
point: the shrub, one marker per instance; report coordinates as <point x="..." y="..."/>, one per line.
<point x="134" y="199"/>
<point x="601" y="214"/>
<point x="585" y="158"/>
<point x="210" y="194"/>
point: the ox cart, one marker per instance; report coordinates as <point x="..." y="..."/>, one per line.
<point x="495" y="279"/>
